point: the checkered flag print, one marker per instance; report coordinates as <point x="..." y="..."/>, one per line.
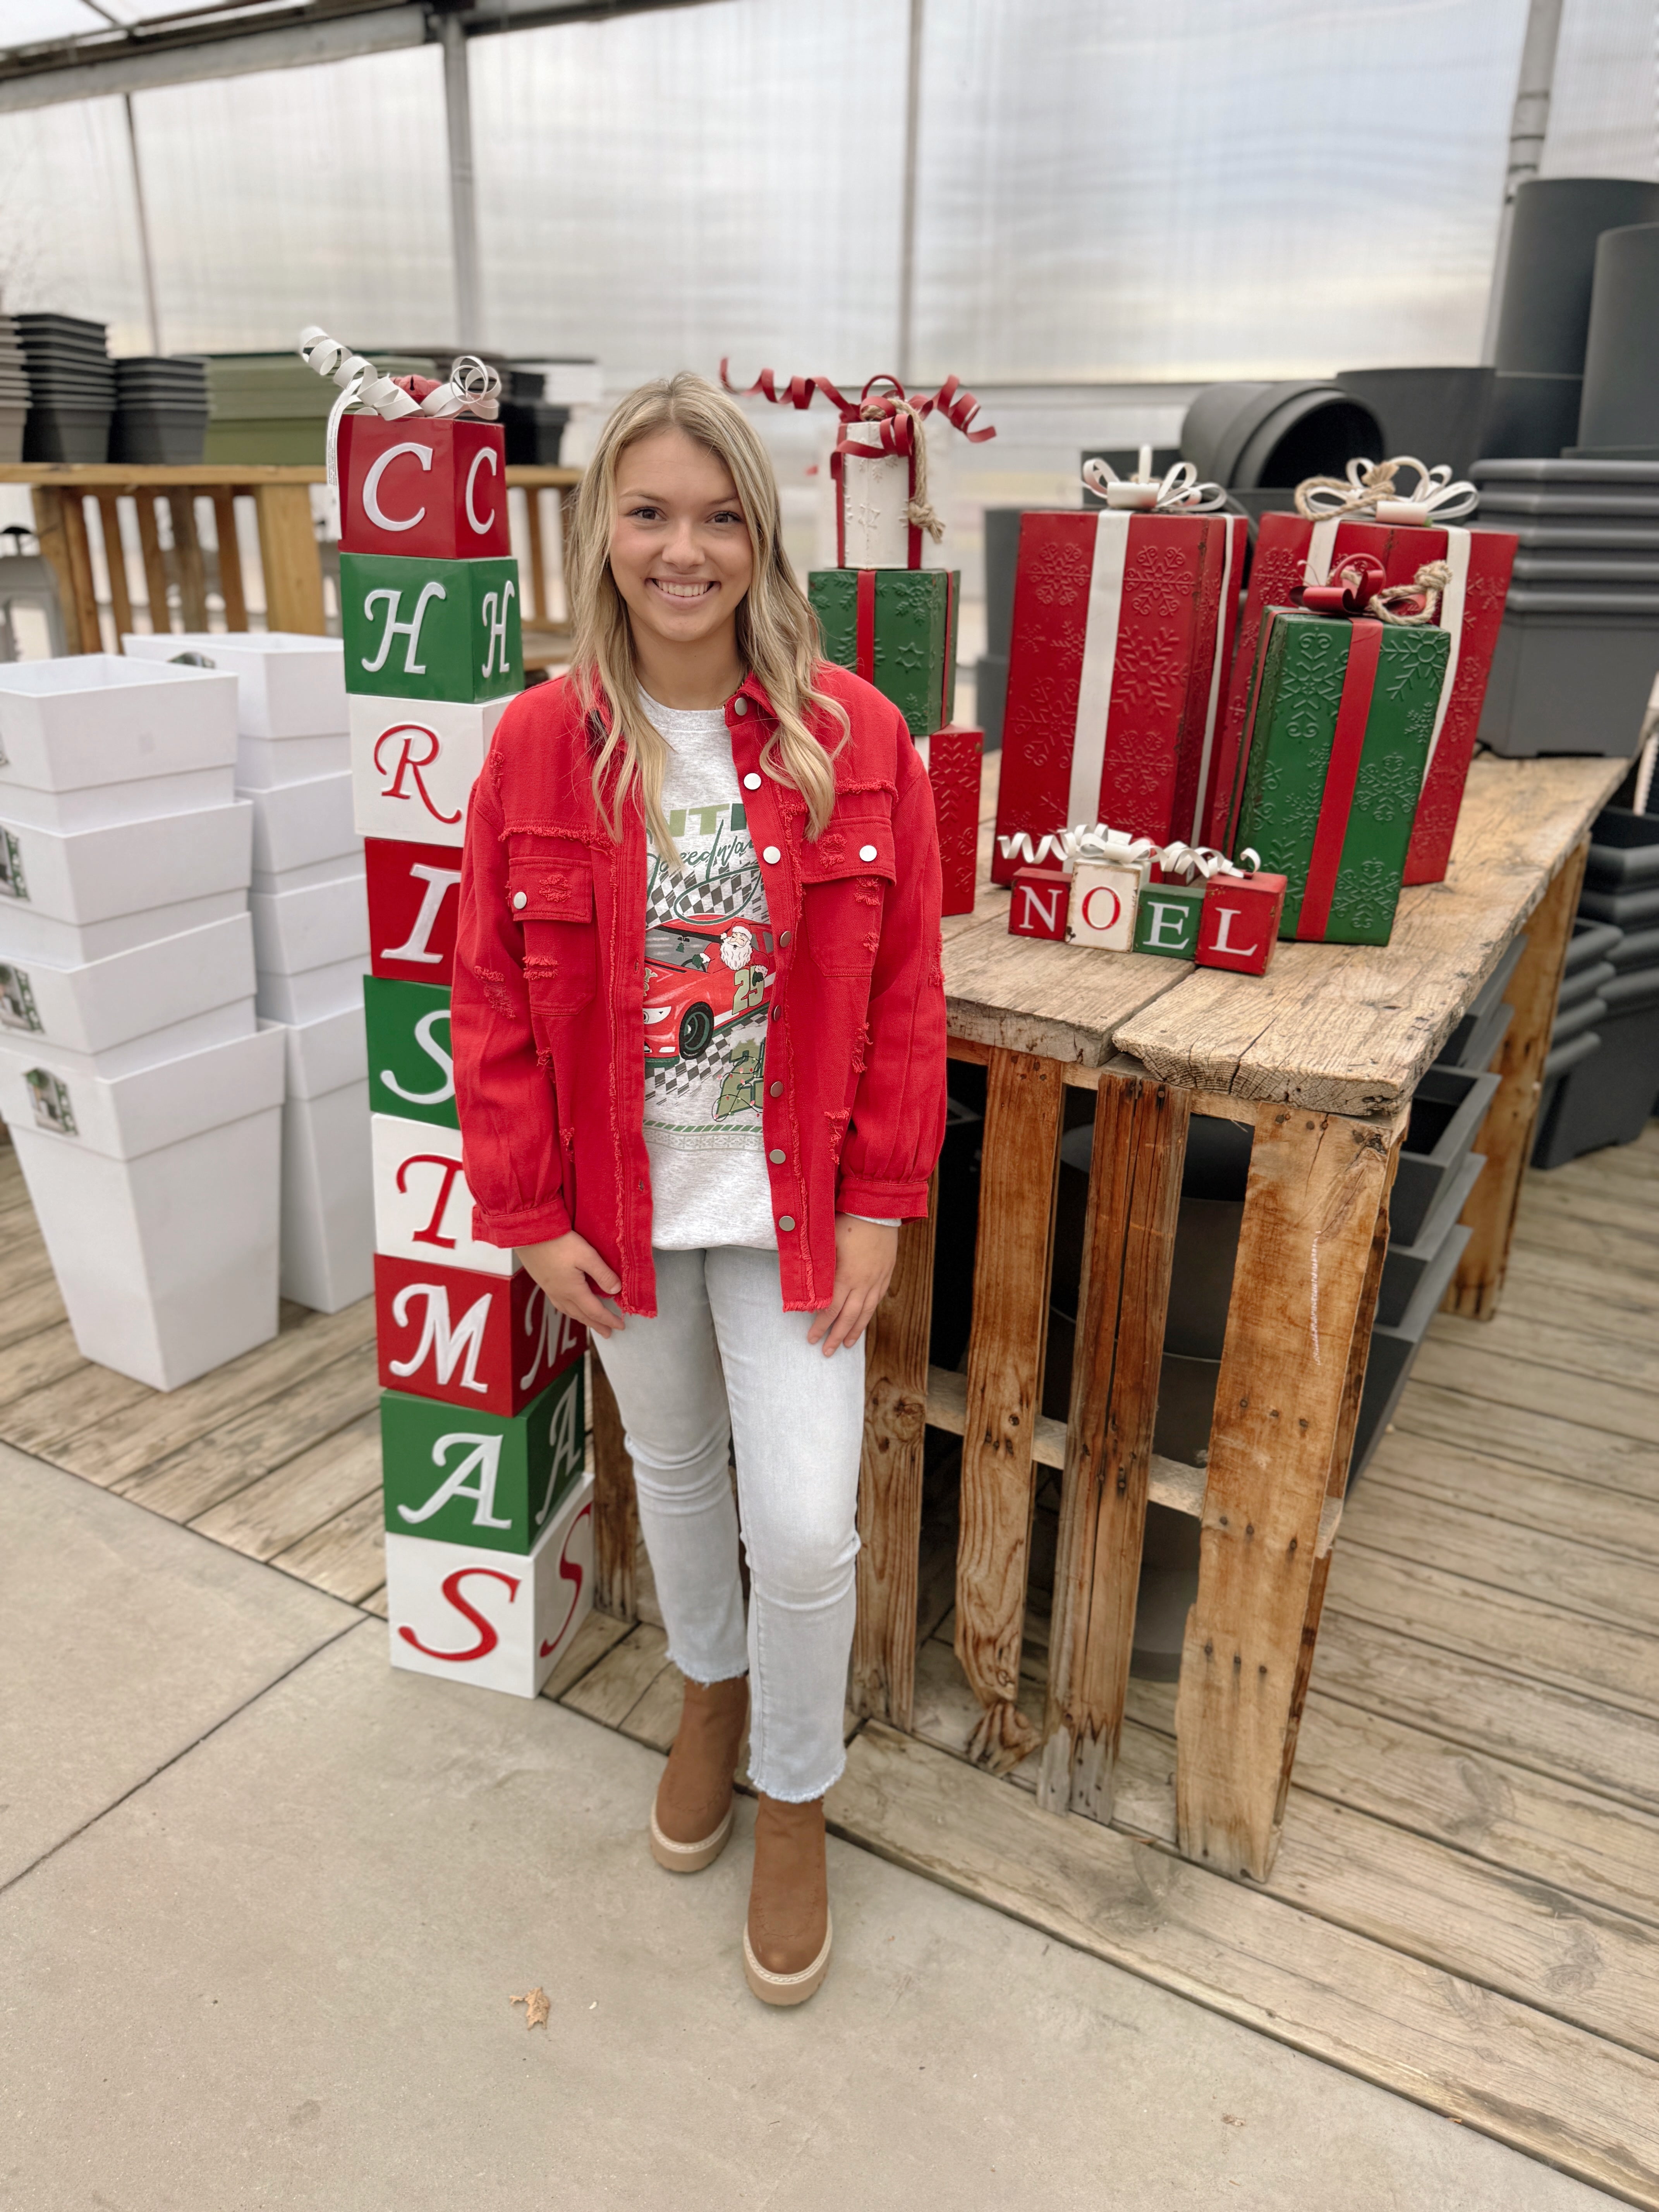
<point x="679" y="895"/>
<point x="677" y="1078"/>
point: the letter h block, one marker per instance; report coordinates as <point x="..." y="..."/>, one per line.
<point x="490" y="1342"/>
<point x="460" y="1475"/>
<point x="1038" y="907"/>
<point x="430" y="629"/>
<point x="427" y="489"/>
<point x="1240" y="923"/>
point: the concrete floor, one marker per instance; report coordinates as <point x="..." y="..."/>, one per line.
<point x="267" y="1901"/>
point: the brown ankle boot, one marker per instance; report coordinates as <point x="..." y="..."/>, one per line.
<point x="691" y="1819"/>
<point x="786" y="1943"/>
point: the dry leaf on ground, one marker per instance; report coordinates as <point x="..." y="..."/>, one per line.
<point x="536" y="2007"/>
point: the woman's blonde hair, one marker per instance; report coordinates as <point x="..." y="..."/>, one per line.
<point x="777" y="631"/>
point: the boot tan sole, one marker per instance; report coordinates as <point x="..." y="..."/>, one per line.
<point x="690" y="1858"/>
<point x="786" y="1989"/>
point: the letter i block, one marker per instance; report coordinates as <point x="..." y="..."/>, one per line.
<point x="413" y="762"/>
<point x="1104" y="894"/>
<point x="1240" y="922"/>
<point x="409" y="1070"/>
<point x="414" y="898"/>
<point x="487" y="1618"/>
<point x="459" y="1475"/>
<point x="430" y="629"/>
<point x="1038" y="908"/>
<point x="427" y="489"/>
<point x="491" y="1341"/>
<point x="1167" y="920"/>
<point x="423" y="1207"/>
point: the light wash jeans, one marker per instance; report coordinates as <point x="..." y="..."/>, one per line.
<point x="721" y="1360"/>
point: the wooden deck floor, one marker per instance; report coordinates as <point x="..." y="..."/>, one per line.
<point x="1465" y="1906"/>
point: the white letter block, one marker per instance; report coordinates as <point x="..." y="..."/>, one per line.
<point x="413" y="762"/>
<point x="423" y="1207"/>
<point x="495" y="1619"/>
<point x="1104" y="894"/>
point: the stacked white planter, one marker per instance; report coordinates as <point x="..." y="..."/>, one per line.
<point x="311" y="940"/>
<point x="142" y="1101"/>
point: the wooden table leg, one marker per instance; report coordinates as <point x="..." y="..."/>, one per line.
<point x="230" y="560"/>
<point x="289" y="556"/>
<point x="115" y="560"/>
<point x="1506" y="1135"/>
<point x="1135" y="1196"/>
<point x="616" y="1514"/>
<point x="187" y="552"/>
<point x="155" y="567"/>
<point x="1317" y="1182"/>
<point x="60" y="523"/>
<point x="1023" y="1099"/>
<point x="533" y="565"/>
<point x="889" y="1481"/>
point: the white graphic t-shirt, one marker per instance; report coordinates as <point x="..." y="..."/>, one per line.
<point x="710" y="962"/>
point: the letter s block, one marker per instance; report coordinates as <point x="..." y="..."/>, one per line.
<point x="1040" y="898"/>
<point x="1104" y="897"/>
<point x="410" y="1072"/>
<point x="427" y="489"/>
<point x="1239" y="926"/>
<point x="489" y="1618"/>
<point x="485" y="1341"/>
<point x="455" y="1474"/>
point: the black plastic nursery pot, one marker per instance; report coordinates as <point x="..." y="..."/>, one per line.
<point x="1607" y="1098"/>
<point x="1445" y="1115"/>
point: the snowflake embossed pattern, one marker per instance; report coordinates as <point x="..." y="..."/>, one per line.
<point x="1366" y="896"/>
<point x="1160" y="580"/>
<point x="1060" y="576"/>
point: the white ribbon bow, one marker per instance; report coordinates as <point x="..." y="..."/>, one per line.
<point x="1177" y="492"/>
<point x="1096" y="842"/>
<point x="473" y="388"/>
<point x="1368" y="487"/>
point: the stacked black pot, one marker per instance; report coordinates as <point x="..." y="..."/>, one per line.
<point x="1602" y="1079"/>
<point x="532" y="426"/>
<point x="161" y="409"/>
<point x="71" y="388"/>
<point x="13" y="391"/>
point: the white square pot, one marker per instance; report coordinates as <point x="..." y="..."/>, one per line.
<point x="95" y="718"/>
<point x="521" y="1612"/>
<point x="92" y="875"/>
<point x="124" y="1116"/>
<point x="167" y="1261"/>
<point x="423" y="1207"/>
<point x="318" y="924"/>
<point x="315" y="992"/>
<point x="306" y="879"/>
<point x="104" y="1003"/>
<point x="413" y="762"/>
<point x="323" y="1053"/>
<point x="26" y="934"/>
<point x="291" y="685"/>
<point x="102" y="805"/>
<point x="299" y="824"/>
<point x="172" y="1041"/>
<point x="271" y="763"/>
<point x="328" y="1199"/>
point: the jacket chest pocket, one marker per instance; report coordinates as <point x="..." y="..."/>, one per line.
<point x="549" y="894"/>
<point x="844" y="880"/>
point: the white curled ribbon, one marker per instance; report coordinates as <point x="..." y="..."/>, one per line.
<point x="472" y="388"/>
<point x="1096" y="842"/>
<point x="1368" y="489"/>
<point x="1177" y="492"/>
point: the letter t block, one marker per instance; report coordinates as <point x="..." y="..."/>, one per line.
<point x="1038" y="906"/>
<point x="1167" y="920"/>
<point x="1239" y="926"/>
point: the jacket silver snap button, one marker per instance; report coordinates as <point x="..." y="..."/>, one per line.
<point x="771" y="856"/>
<point x="752" y="782"/>
<point x="520" y="898"/>
<point x="867" y="852"/>
<point x="776" y="1090"/>
<point x="740" y="707"/>
<point x="785" y="1221"/>
<point x="783" y="939"/>
<point x="777" y="1158"/>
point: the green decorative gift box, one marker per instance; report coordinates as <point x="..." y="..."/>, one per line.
<point x="897" y="629"/>
<point x="1339" y="730"/>
<point x="430" y="629"/>
<point x="465" y="1476"/>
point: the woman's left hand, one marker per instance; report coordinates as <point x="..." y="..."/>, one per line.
<point x="865" y="1253"/>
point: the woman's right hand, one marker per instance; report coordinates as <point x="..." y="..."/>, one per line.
<point x="567" y="1268"/>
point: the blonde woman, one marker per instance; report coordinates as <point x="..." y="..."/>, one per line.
<point x="699" y="1037"/>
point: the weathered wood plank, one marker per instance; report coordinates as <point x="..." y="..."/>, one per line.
<point x="230" y="560"/>
<point x="1595" y="1203"/>
<point x="1526" y="1338"/>
<point x="45" y="1357"/>
<point x="374" y="1602"/>
<point x="1550" y="1226"/>
<point x="1584" y="1512"/>
<point x="187" y="557"/>
<point x="155" y="567"/>
<point x="1316" y="1186"/>
<point x="597" y="1635"/>
<point x="1062" y="1002"/>
<point x="346" y="1556"/>
<point x="616" y="1514"/>
<point x="610" y="1692"/>
<point x="23" y="1262"/>
<point x="288" y="556"/>
<point x="28" y="1309"/>
<point x="1134" y="1192"/>
<point x="115" y="562"/>
<point x="1496" y="1379"/>
<point x="1531" y="1440"/>
<point x="889" y="1479"/>
<point x="299" y="1497"/>
<point x="46" y="1421"/>
<point x="1550" y="2089"/>
<point x="1597" y="1295"/>
<point x="1023" y="1101"/>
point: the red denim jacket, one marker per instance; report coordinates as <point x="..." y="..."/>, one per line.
<point x="549" y="978"/>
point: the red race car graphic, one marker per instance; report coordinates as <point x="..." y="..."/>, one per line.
<point x="700" y="977"/>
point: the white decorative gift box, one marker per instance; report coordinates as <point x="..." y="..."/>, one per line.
<point x="328" y="1191"/>
<point x="501" y="1620"/>
<point x="300" y="824"/>
<point x="102" y="805"/>
<point x="100" y="1004"/>
<point x="272" y="763"/>
<point x="413" y="762"/>
<point x="315" y="994"/>
<point x="95" y="719"/>
<point x="323" y="1053"/>
<point x="423" y="1207"/>
<point x="26" y="934"/>
<point x="92" y="875"/>
<point x="291" y="685"/>
<point x="312" y="926"/>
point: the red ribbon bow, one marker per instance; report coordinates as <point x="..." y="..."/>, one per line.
<point x="1353" y="586"/>
<point x="883" y="411"/>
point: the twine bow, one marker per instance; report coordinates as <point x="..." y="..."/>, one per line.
<point x="1096" y="842"/>
<point x="1356" y="588"/>
<point x="472" y="388"/>
<point x="1177" y="492"/>
<point x="1368" y="489"/>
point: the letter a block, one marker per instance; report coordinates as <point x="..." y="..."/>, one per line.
<point x="471" y="1340"/>
<point x="430" y="629"/>
<point x="423" y="1207"/>
<point x="488" y="1617"/>
<point x="427" y="489"/>
<point x="459" y="1475"/>
<point x="1103" y="910"/>
<point x="1038" y="908"/>
<point x="1240" y="922"/>
<point x="414" y="897"/>
<point x="1167" y="919"/>
<point x="411" y="1073"/>
<point x="413" y="762"/>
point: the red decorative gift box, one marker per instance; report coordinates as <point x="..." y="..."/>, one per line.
<point x="431" y="490"/>
<point x="414" y="899"/>
<point x="490" y="1341"/>
<point x="954" y="758"/>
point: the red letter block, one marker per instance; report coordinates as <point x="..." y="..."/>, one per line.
<point x="489" y="1342"/>
<point x="414" y="892"/>
<point x="1038" y="908"/>
<point x="1239" y="926"/>
<point x="436" y="490"/>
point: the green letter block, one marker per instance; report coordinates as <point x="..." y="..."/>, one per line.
<point x="409" y="1070"/>
<point x="913" y="661"/>
<point x="474" y="1478"/>
<point x="430" y="629"/>
<point x="1166" y="920"/>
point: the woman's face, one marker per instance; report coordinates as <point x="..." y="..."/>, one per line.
<point x="680" y="550"/>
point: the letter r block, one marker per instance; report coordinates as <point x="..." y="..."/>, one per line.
<point x="490" y="1342"/>
<point x="1167" y="919"/>
<point x="1240" y="922"/>
<point x="1038" y="907"/>
<point x="423" y="489"/>
<point x="413" y="765"/>
<point x="459" y="1475"/>
<point x="1104" y="897"/>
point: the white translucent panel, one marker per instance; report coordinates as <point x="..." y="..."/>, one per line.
<point x="1604" y="114"/>
<point x="301" y="195"/>
<point x="69" y="242"/>
<point x="663" y="189"/>
<point x="1210" y="188"/>
<point x="23" y="23"/>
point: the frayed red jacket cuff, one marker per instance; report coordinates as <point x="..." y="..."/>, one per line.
<point x="907" y="1201"/>
<point x="532" y="1224"/>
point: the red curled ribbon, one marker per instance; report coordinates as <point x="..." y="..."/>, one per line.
<point x="890" y="408"/>
<point x="1354" y="583"/>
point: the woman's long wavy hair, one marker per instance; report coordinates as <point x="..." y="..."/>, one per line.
<point x="777" y="631"/>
